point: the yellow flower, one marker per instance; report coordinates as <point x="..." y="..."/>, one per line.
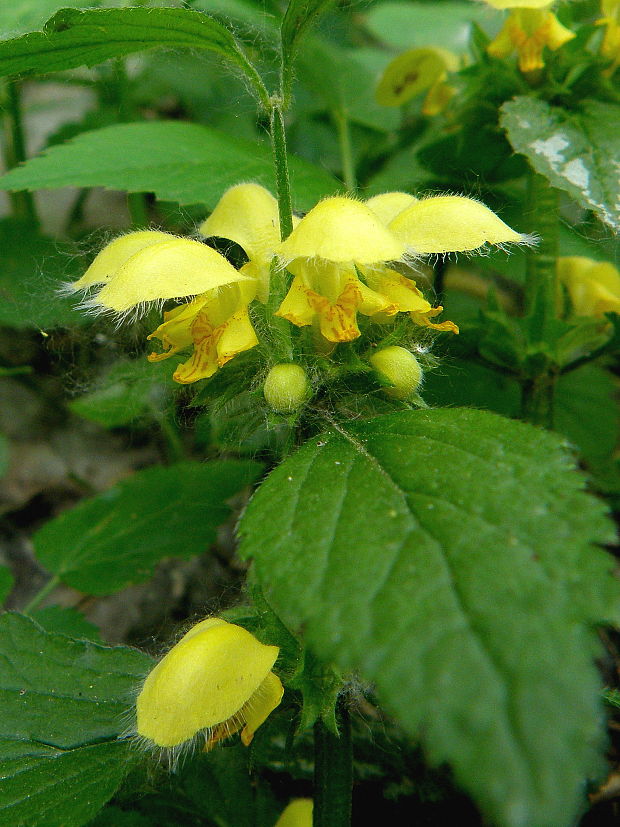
<point x="339" y="252"/>
<point x="451" y="224"/>
<point x="148" y="266"/>
<point x="218" y="325"/>
<point x="327" y="252"/>
<point x="248" y="215"/>
<point x="323" y="253"/>
<point x="216" y="681"/>
<point x="593" y="286"/>
<point x="610" y="47"/>
<point x="297" y="814"/>
<point x="416" y="71"/>
<point x="527" y="31"/>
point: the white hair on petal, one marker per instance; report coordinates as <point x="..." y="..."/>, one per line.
<point x="91" y="307"/>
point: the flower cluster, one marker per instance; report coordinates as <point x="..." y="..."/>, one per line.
<point x="347" y="258"/>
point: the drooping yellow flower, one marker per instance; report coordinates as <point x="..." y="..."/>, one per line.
<point x="527" y="30"/>
<point x="148" y="266"/>
<point x="339" y="255"/>
<point x="593" y="286"/>
<point x="323" y="253"/>
<point x="610" y="47"/>
<point x="297" y="814"/>
<point x="215" y="681"/>
<point x="416" y="71"/>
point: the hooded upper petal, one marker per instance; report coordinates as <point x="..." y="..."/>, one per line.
<point x="389" y="204"/>
<point x="168" y="270"/>
<point x="341" y="230"/>
<point x="115" y="254"/>
<point x="451" y="223"/>
<point x="248" y="215"/>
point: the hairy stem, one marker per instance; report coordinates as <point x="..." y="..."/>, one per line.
<point x="333" y="773"/>
<point x="138" y="210"/>
<point x="281" y="345"/>
<point x="537" y="400"/>
<point x="280" y="160"/>
<point x="541" y="287"/>
<point x="346" y="153"/>
<point x="541" y="296"/>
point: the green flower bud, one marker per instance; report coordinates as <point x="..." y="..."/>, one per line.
<point x="400" y="368"/>
<point x="286" y="388"/>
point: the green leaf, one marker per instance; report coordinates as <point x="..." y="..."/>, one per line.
<point x="117" y="538"/>
<point x="576" y="151"/>
<point x="63" y="620"/>
<point x="586" y="411"/>
<point x="246" y="16"/>
<point x="447" y="555"/>
<point x="403" y="171"/>
<point x="126" y="392"/>
<point x="32" y="271"/>
<point x="345" y="79"/>
<point x="468" y="384"/>
<point x="406" y="25"/>
<point x="28" y="15"/>
<point x="64" y="704"/>
<point x="6" y="583"/>
<point x="73" y="37"/>
<point x="299" y="16"/>
<point x="185" y="162"/>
